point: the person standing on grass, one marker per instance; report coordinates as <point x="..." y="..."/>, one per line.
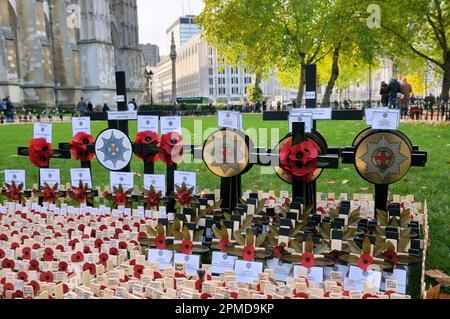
<point x="9" y="110"/>
<point x="384" y="92"/>
<point x="406" y="90"/>
<point x="82" y="106"/>
<point x="395" y="92"/>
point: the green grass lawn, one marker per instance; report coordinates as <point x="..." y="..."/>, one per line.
<point x="429" y="183"/>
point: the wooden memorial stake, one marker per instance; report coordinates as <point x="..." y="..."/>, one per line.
<point x="307" y="192"/>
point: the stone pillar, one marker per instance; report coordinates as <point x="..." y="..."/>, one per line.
<point x="97" y="53"/>
<point x="173" y="57"/>
<point x="36" y="59"/>
<point x="66" y="89"/>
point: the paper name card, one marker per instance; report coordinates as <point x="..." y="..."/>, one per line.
<point x="386" y="120"/>
<point x="122" y="116"/>
<point x="189" y="178"/>
<point x="170" y="124"/>
<point x="306" y="118"/>
<point x="81" y="124"/>
<point x="281" y="270"/>
<point x="369" y="114"/>
<point x="246" y="271"/>
<point x="227" y="119"/>
<point x="148" y="123"/>
<point x="81" y="174"/>
<point x="222" y="262"/>
<point x="157" y="181"/>
<point x="191" y="262"/>
<point x="312" y="274"/>
<point x="43" y="130"/>
<point x="399" y="276"/>
<point x="360" y="277"/>
<point x="162" y="257"/>
<point x="16" y="176"/>
<point x="322" y="114"/>
<point x="50" y="176"/>
<point x="124" y="179"/>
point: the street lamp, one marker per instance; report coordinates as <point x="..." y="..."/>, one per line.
<point x="149" y="78"/>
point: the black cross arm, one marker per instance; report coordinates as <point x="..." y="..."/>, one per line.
<point x="58" y="153"/>
<point x="336" y="115"/>
<point x="195" y="150"/>
<point x="419" y="158"/>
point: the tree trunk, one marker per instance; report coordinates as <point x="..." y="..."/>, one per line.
<point x="301" y="88"/>
<point x="333" y="78"/>
<point x="446" y="81"/>
<point x="258" y="80"/>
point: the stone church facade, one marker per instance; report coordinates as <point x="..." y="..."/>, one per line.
<point x="52" y="52"/>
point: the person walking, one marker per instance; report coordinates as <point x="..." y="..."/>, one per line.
<point x="384" y="92"/>
<point x="132" y="105"/>
<point x="395" y="93"/>
<point x="105" y="107"/>
<point x="82" y="106"/>
<point x="406" y="90"/>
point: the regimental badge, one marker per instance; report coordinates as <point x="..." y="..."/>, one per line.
<point x="113" y="149"/>
<point x="383" y="158"/>
<point x="226" y="153"/>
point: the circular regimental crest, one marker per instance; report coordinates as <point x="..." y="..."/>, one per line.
<point x="383" y="158"/>
<point x="113" y="149"/>
<point x="226" y="153"/>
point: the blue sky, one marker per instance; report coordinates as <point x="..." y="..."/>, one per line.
<point x="155" y="16"/>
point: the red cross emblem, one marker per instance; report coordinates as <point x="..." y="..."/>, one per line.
<point x="383" y="158"/>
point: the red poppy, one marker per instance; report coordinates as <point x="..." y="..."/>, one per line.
<point x="98" y="243"/>
<point x="148" y="138"/>
<point x="299" y="160"/>
<point x="180" y="275"/>
<point x="199" y="285"/>
<point x="36" y="287"/>
<point x="234" y="295"/>
<point x="87" y="250"/>
<point x="26" y="253"/>
<point x="138" y="271"/>
<point x="3" y="237"/>
<point x="13" y="193"/>
<point x="184" y="198"/>
<point x="79" y="147"/>
<point x="391" y="257"/>
<point x="22" y="276"/>
<point x="34" y="265"/>
<point x="389" y="292"/>
<point x="2" y="253"/>
<point x="278" y="251"/>
<point x="248" y="253"/>
<point x="73" y="243"/>
<point x="171" y="148"/>
<point x="152" y="200"/>
<point x="186" y="247"/>
<point x="120" y="199"/>
<point x="14" y="245"/>
<point x="366" y="296"/>
<point x="364" y="261"/>
<point x="142" y="234"/>
<point x="6" y="287"/>
<point x="301" y="295"/>
<point x="77" y="257"/>
<point x="113" y="251"/>
<point x="62" y="266"/>
<point x="48" y="254"/>
<point x="160" y="242"/>
<point x="133" y="262"/>
<point x="8" y="263"/>
<point x="17" y="295"/>
<point x="80" y="194"/>
<point x="103" y="258"/>
<point x="308" y="260"/>
<point x="40" y="152"/>
<point x="46" y="276"/>
<point x="60" y="248"/>
<point x="205" y="296"/>
<point x="126" y="227"/>
<point x="123" y="245"/>
<point x="91" y="267"/>
<point x="49" y="194"/>
<point x="224" y="245"/>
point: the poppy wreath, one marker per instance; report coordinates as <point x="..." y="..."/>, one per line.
<point x="14" y="192"/>
<point x="40" y="152"/>
<point x="148" y="138"/>
<point x="50" y="193"/>
<point x="171" y="148"/>
<point x="299" y="160"/>
<point x="79" y="147"/>
<point x="153" y="197"/>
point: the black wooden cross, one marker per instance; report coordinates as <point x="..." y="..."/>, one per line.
<point x="306" y="192"/>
